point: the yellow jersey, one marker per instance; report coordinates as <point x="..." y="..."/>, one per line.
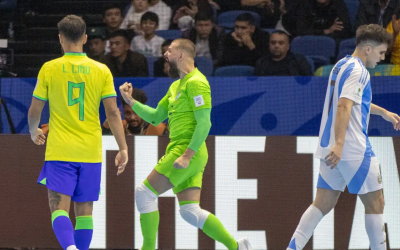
<point x="74" y="85"/>
<point x="395" y="59"/>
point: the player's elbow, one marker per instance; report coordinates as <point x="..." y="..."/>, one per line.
<point x="113" y="114"/>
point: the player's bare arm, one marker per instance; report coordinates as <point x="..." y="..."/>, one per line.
<point x="34" y="114"/>
<point x="387" y="115"/>
<point x="342" y="121"/>
<point x="115" y="122"/>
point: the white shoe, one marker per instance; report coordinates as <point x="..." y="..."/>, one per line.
<point x="244" y="244"/>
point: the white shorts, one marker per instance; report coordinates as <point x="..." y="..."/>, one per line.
<point x="361" y="176"/>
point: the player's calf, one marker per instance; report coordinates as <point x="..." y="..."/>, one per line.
<point x="374" y="220"/>
<point x="145" y="197"/>
<point x="84" y="224"/>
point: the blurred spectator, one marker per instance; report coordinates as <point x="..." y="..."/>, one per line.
<point x="324" y="17"/>
<point x="245" y="45"/>
<point x="268" y="10"/>
<point x="123" y="62"/>
<point x="281" y="62"/>
<point x="134" y="14"/>
<point x="163" y="11"/>
<point x="161" y="66"/>
<point x="133" y="124"/>
<point x="148" y="44"/>
<point x="97" y="44"/>
<point x="205" y="35"/>
<point x="376" y="12"/>
<point x="185" y="12"/>
<point x="8" y="4"/>
<point x="112" y="17"/>
<point x="394" y="48"/>
<point x="288" y="9"/>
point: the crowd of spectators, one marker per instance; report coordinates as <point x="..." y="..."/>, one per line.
<point x="260" y="37"/>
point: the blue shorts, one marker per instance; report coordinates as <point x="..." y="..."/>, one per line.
<point x="79" y="180"/>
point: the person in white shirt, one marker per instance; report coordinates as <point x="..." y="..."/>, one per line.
<point x="148" y="44"/>
<point x="345" y="153"/>
<point x="134" y="15"/>
<point x="163" y="11"/>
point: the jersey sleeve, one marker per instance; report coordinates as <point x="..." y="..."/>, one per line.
<point x="199" y="94"/>
<point x="164" y="101"/>
<point x="41" y="89"/>
<point x="355" y="80"/>
<point x="108" y="89"/>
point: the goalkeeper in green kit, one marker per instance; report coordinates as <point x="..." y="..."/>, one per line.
<point x="187" y="105"/>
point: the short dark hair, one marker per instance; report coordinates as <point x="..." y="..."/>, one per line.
<point x="149" y="16"/>
<point x="122" y="33"/>
<point x="72" y="27"/>
<point x="109" y="7"/>
<point x="373" y="34"/>
<point x="246" y="17"/>
<point x="203" y="16"/>
<point x="138" y="95"/>
<point x="281" y="32"/>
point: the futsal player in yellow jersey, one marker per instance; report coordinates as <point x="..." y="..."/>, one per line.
<point x="74" y="85"/>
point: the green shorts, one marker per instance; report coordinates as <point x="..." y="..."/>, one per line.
<point x="183" y="179"/>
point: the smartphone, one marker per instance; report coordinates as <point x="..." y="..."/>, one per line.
<point x="6" y="56"/>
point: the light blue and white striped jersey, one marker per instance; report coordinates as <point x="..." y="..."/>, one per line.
<point x="348" y="79"/>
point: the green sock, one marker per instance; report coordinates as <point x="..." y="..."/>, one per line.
<point x="215" y="230"/>
<point x="149" y="223"/>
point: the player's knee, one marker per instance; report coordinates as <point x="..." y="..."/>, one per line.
<point x="145" y="199"/>
<point x="194" y="215"/>
<point x="375" y="206"/>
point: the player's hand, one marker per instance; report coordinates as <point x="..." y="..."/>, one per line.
<point x="246" y="40"/>
<point x="393" y="118"/>
<point x="38" y="137"/>
<point x="126" y="90"/>
<point x="182" y="162"/>
<point x="121" y="160"/>
<point x="395" y="25"/>
<point x="333" y="158"/>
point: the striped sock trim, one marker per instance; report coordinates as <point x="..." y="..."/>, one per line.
<point x="58" y="213"/>
<point x="84" y="222"/>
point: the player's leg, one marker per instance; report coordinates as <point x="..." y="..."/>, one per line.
<point x="62" y="226"/>
<point x="367" y="183"/>
<point x="60" y="179"/>
<point x="146" y="195"/>
<point x="191" y="212"/>
<point x="330" y="184"/>
<point x="86" y="191"/>
<point x="374" y="220"/>
<point x="84" y="224"/>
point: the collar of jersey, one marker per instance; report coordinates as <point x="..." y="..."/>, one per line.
<point x="75" y="54"/>
<point x="189" y="75"/>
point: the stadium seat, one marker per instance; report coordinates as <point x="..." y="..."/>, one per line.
<point x="311" y="62"/>
<point x="270" y="31"/>
<point x="324" y="70"/>
<point x="205" y="65"/>
<point x="169" y="34"/>
<point x="385" y="70"/>
<point x="150" y="64"/>
<point x="236" y="70"/>
<point x="321" y="46"/>
<point x="227" y="19"/>
<point x="352" y="6"/>
<point x="346" y="47"/>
